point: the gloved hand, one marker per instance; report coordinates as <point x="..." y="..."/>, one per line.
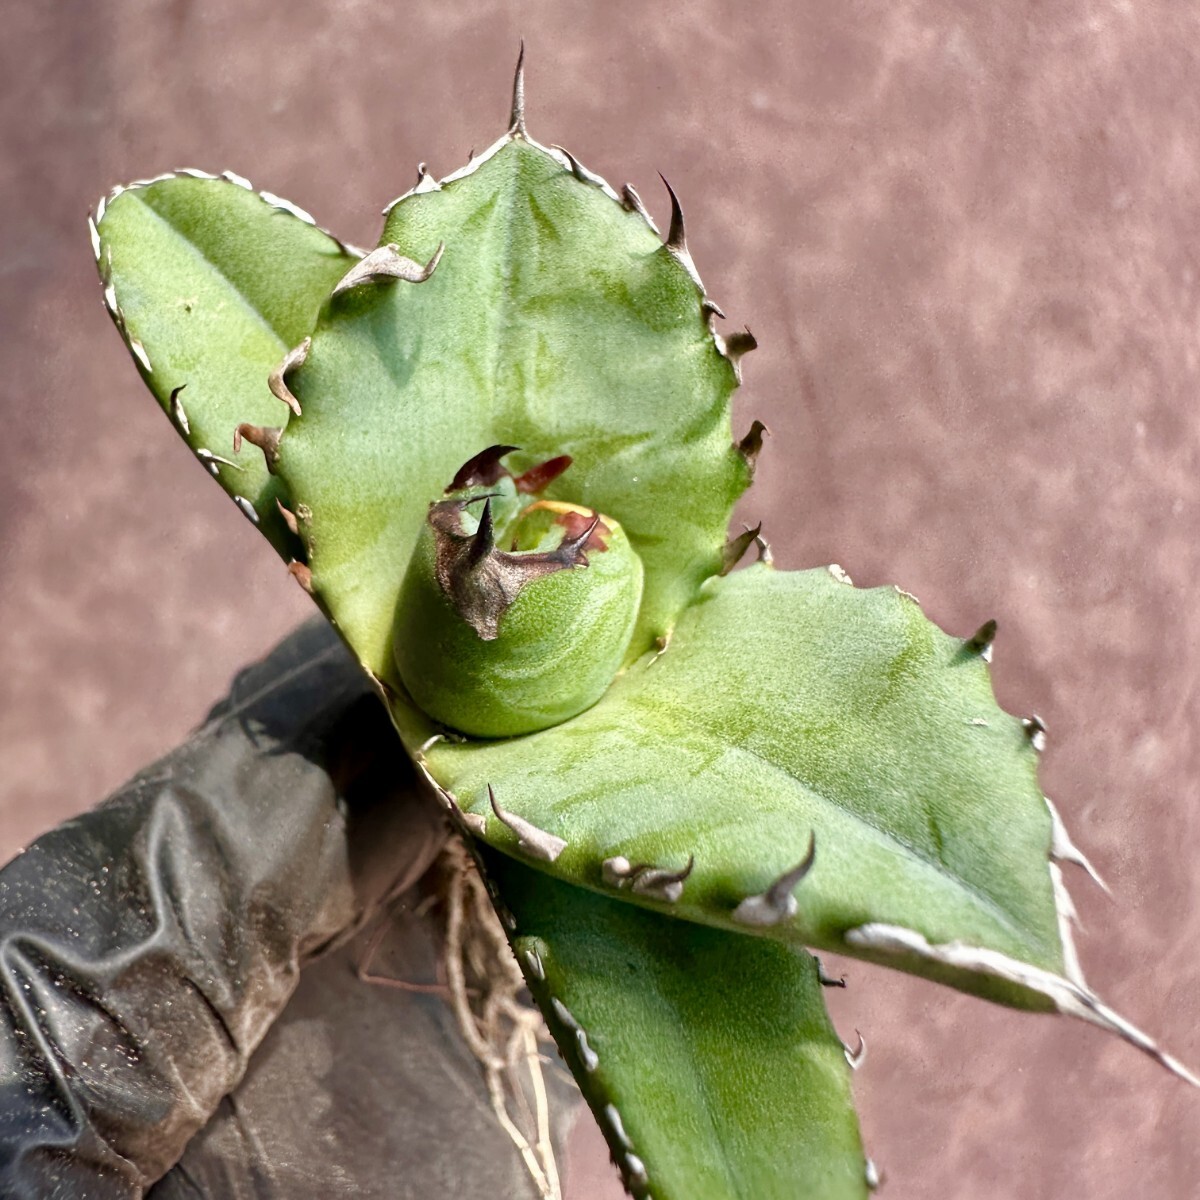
<point x="157" y="1036"/>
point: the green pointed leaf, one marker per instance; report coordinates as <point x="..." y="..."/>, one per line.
<point x="788" y="706"/>
<point x="707" y="1057"/>
<point x="794" y="710"/>
<point x="556" y="321"/>
<point x="210" y="284"/>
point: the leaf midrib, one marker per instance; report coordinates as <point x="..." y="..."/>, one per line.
<point x="939" y="867"/>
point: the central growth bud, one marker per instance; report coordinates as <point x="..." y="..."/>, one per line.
<point x="516" y="611"/>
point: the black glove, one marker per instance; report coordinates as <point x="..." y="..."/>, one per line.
<point x="150" y="946"/>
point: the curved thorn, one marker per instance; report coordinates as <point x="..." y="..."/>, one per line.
<point x="736" y="548"/>
<point x="482" y="470"/>
<point x="632" y="202"/>
<point x="751" y="445"/>
<point x="764" y="551"/>
<point x="617" y="1125"/>
<point x="588" y="1056"/>
<point x="827" y="980"/>
<point x="739" y="344"/>
<point x="177" y="413"/>
<point x="1035" y="731"/>
<point x="533" y="964"/>
<point x="874" y="1176"/>
<point x="710" y="309"/>
<point x="425" y="183"/>
<point x="139" y="352"/>
<point x="662" y="644"/>
<point x="302" y="574"/>
<point x="855" y="1058"/>
<point x="385" y="264"/>
<point x="573" y="551"/>
<point x="777" y="903"/>
<point x="615" y="871"/>
<point x="289" y="517"/>
<point x="980" y="642"/>
<point x="677" y="235"/>
<point x="563" y="1013"/>
<point x="248" y="509"/>
<point x="266" y="438"/>
<point x="212" y="460"/>
<point x="636" y="1169"/>
<point x="840" y="574"/>
<point x="575" y="166"/>
<point x="659" y="883"/>
<point x="516" y="123"/>
<point x="534" y="841"/>
<point x="1063" y="848"/>
<point x="781" y="890"/>
<point x="277" y="380"/>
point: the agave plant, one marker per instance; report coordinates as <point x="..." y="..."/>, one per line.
<point x="498" y="452"/>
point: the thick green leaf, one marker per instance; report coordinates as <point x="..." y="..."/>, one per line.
<point x="707" y="1057"/>
<point x="556" y="321"/>
<point x="211" y="284"/>
<point x="791" y="705"/>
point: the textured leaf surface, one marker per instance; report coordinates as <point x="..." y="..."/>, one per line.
<point x="713" y="1050"/>
<point x="556" y="321"/>
<point x="211" y="284"/>
<point x="788" y="705"/>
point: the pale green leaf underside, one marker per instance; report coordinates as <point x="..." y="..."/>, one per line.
<point x="556" y="321"/>
<point x="792" y="704"/>
<point x="715" y="1050"/>
<point x="216" y="285"/>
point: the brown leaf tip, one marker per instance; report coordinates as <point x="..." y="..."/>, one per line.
<point x="538" y="478"/>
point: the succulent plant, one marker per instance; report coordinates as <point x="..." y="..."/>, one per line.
<point x="669" y="823"/>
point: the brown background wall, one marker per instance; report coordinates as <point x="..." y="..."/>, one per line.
<point x="966" y="237"/>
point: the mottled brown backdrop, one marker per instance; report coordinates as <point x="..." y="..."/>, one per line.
<point x="966" y="237"/>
